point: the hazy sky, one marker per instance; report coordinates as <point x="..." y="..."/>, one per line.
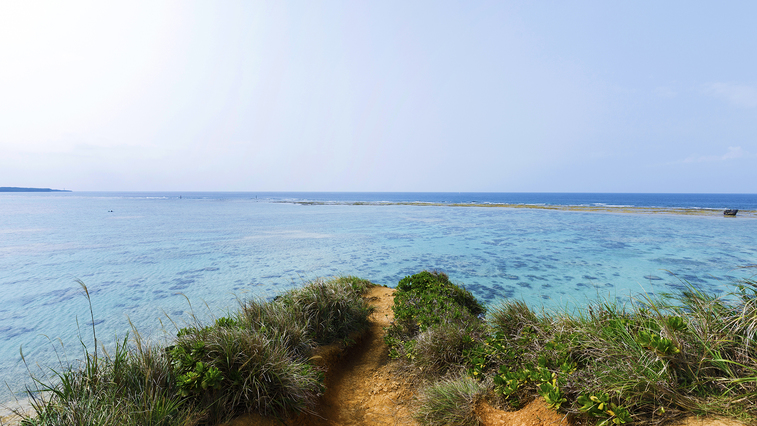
<point x="602" y="96"/>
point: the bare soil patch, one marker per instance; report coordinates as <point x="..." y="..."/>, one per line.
<point x="535" y="413"/>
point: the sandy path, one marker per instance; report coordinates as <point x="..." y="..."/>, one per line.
<point x="362" y="386"/>
<point x="364" y="389"/>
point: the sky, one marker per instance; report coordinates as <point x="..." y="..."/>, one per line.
<point x="501" y="96"/>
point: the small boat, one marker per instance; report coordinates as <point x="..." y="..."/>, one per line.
<point x="730" y="212"/>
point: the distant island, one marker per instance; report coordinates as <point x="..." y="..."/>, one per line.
<point x="15" y="189"/>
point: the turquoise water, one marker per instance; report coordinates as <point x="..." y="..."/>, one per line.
<point x="145" y="257"/>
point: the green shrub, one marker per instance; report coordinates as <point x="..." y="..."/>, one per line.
<point x="234" y="371"/>
<point x="258" y="361"/>
<point x="599" y="406"/>
<point x="450" y="402"/>
<point x="433" y="316"/>
<point x="438" y="283"/>
<point x="511" y="318"/>
<point x="285" y="323"/>
<point x="445" y="346"/>
<point x="332" y="310"/>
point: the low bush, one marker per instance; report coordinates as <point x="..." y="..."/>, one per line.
<point x="281" y="322"/>
<point x="444" y="347"/>
<point x="435" y="321"/>
<point x="330" y="310"/>
<point x="450" y="401"/>
<point x="232" y="371"/>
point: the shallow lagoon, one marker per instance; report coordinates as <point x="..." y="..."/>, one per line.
<point x="145" y="257"/>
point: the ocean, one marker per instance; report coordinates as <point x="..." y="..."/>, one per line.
<point x="158" y="260"/>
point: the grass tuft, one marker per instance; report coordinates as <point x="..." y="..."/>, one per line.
<point x="450" y="401"/>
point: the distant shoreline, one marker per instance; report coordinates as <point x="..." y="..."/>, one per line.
<point x="691" y="211"/>
<point x="16" y="189"/>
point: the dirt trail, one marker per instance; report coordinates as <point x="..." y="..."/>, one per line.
<point x="362" y="386"/>
<point x="365" y="389"/>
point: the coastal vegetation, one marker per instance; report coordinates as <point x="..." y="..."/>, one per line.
<point x="647" y="361"/>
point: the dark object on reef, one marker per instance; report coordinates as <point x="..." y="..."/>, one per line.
<point x="730" y="212"/>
